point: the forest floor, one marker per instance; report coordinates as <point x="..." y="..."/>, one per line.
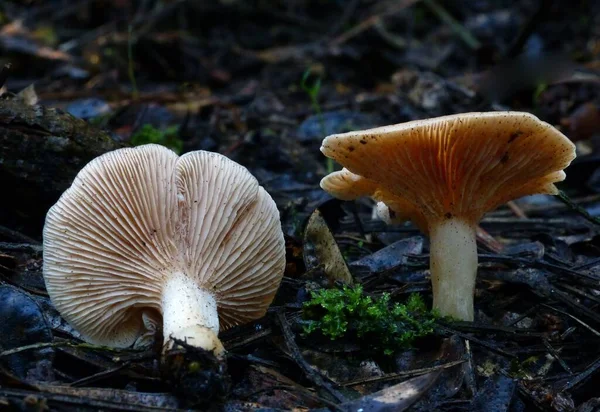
<point x="263" y="83"/>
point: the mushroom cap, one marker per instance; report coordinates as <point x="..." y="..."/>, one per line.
<point x="461" y="166"/>
<point x="135" y="216"/>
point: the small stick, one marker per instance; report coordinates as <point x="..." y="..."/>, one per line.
<point x="478" y="342"/>
<point x="234" y="344"/>
<point x="458" y="28"/>
<point x="308" y="370"/>
<point x="13" y="234"/>
<point x="578" y="379"/>
<point x="516" y="209"/>
<point x="401" y="375"/>
<point x="370" y="22"/>
<point x="576" y="208"/>
<point x="582" y="323"/>
<point x="488" y="240"/>
<point x="469" y="369"/>
<point x="554" y="353"/>
<point x="20" y="247"/>
<point x="574" y="304"/>
<point x="349" y="10"/>
<point x="100" y="375"/>
<point x="56" y="345"/>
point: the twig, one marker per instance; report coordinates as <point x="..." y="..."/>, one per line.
<point x="545" y="208"/>
<point x="579" y="292"/>
<point x="158" y="13"/>
<point x="568" y="300"/>
<point x="392" y="39"/>
<point x="488" y="240"/>
<point x="556" y="356"/>
<point x="482" y="328"/>
<point x="516" y="209"/>
<point x="469" y="369"/>
<point x="582" y="323"/>
<point x="531" y="223"/>
<point x="33" y="291"/>
<point x="578" y="379"/>
<point x="540" y="348"/>
<point x="370" y="22"/>
<point x="13" y="234"/>
<point x="530" y="25"/>
<point x="479" y="342"/>
<point x="87" y="37"/>
<point x="305" y="366"/>
<point x="100" y="375"/>
<point x="303" y="391"/>
<point x="232" y="344"/>
<point x="587" y="265"/>
<point x="483" y="257"/>
<point x="56" y="345"/>
<point x="401" y="375"/>
<point x="85" y="403"/>
<point x="349" y="10"/>
<point x="20" y="247"/>
<point x="525" y="314"/>
<point x="576" y="208"/>
<point x="458" y="28"/>
<point x="253" y="360"/>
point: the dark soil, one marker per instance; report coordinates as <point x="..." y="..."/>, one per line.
<point x="263" y="82"/>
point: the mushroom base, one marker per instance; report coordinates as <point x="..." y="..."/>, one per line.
<point x="190" y="314"/>
<point x="453" y="264"/>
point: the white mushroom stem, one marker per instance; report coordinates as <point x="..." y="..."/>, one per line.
<point x="190" y="314"/>
<point x="453" y="267"/>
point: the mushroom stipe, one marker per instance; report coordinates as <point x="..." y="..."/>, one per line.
<point x="444" y="174"/>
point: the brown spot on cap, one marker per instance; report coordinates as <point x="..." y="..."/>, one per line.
<point x="514" y="136"/>
<point x="453" y="164"/>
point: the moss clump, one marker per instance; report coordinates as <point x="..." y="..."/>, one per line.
<point x="149" y="134"/>
<point x="376" y="323"/>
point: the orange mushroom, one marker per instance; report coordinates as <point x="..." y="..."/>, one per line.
<point x="444" y="174"/>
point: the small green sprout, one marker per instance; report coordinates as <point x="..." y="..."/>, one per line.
<point x="313" y="93"/>
<point x="376" y="323"/>
<point x="523" y="370"/>
<point x="537" y="93"/>
<point x="149" y="134"/>
<point x="312" y="90"/>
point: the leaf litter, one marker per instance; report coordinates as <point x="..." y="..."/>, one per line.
<point x="235" y="87"/>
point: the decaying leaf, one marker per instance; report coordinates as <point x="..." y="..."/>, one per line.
<point x="394" y="398"/>
<point x="28" y="96"/>
<point x="320" y="247"/>
<point x="390" y="256"/>
<point x="23" y="323"/>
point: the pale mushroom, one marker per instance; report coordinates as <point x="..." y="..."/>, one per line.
<point x="444" y="174"/>
<point x="143" y="234"/>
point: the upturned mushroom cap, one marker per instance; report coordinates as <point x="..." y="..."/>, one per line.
<point x="135" y="217"/>
<point x="462" y="165"/>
